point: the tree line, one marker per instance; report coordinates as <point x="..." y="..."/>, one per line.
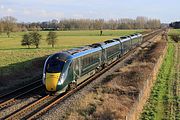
<point x="9" y="24"/>
<point x="96" y="24"/>
<point x="175" y="25"/>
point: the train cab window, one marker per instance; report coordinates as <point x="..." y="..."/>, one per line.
<point x="54" y="66"/>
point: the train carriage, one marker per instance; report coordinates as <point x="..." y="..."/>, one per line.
<point x="139" y="37"/>
<point x="71" y="67"/>
<point x="135" y="40"/>
<point x="86" y="63"/>
<point x="111" y="50"/>
<point x="126" y="44"/>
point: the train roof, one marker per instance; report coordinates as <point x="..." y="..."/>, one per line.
<point x="138" y="34"/>
<point x="77" y="52"/>
<point x="109" y="43"/>
<point x="125" y="38"/>
<point x="84" y="50"/>
<point x="132" y="36"/>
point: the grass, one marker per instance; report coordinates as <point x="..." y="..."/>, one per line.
<point x="159" y="104"/>
<point x="174" y="31"/>
<point x="13" y="52"/>
<point x="18" y="62"/>
<point x="163" y="79"/>
<point x="65" y="38"/>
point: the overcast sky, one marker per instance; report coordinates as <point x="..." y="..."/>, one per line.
<point x="44" y="10"/>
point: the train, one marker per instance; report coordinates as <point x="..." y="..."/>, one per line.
<point x="65" y="70"/>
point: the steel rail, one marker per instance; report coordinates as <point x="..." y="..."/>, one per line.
<point x="5" y="103"/>
<point x="20" y="89"/>
<point x="22" y="111"/>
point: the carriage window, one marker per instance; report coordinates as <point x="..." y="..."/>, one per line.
<point x="89" y="59"/>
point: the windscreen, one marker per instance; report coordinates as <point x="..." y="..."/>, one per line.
<point x="54" y="65"/>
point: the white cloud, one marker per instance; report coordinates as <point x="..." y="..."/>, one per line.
<point x="4" y="11"/>
<point x="49" y="14"/>
<point x="2" y="6"/>
<point x="41" y="14"/>
<point x="79" y="16"/>
<point x="91" y="12"/>
<point x="9" y="10"/>
<point x="26" y="12"/>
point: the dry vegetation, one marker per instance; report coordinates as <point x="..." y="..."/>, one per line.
<point x="114" y="97"/>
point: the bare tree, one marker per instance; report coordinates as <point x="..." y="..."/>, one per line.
<point x="61" y="26"/>
<point x="1" y="27"/>
<point x="140" y="22"/>
<point x="113" y="24"/>
<point x="98" y="24"/>
<point x="9" y="24"/>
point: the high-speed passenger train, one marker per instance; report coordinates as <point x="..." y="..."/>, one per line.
<point x="66" y="69"/>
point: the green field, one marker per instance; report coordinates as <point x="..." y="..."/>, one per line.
<point x="66" y="39"/>
<point x="11" y="50"/>
<point x="174" y="31"/>
<point x="19" y="62"/>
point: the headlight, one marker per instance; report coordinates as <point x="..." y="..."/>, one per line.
<point x="43" y="78"/>
<point x="62" y="78"/>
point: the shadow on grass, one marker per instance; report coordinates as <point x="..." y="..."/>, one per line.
<point x="19" y="48"/>
<point x="41" y="48"/>
<point x="19" y="74"/>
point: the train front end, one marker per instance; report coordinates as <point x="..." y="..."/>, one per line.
<point x="55" y="73"/>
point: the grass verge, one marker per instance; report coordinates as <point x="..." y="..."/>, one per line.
<point x="157" y="107"/>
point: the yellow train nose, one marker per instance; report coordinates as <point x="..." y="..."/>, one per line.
<point x="52" y="81"/>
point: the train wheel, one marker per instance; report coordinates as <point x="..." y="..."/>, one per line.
<point x="72" y="86"/>
<point x="98" y="69"/>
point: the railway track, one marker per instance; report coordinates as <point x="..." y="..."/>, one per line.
<point x="42" y="105"/>
<point x="19" y="90"/>
<point x="33" y="110"/>
<point x="11" y="97"/>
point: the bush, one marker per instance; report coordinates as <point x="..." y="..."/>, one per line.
<point x="32" y="38"/>
<point x="35" y="38"/>
<point x="51" y="38"/>
<point x="175" y="37"/>
<point x="26" y="40"/>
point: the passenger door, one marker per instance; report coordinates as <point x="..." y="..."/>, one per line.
<point x="76" y="68"/>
